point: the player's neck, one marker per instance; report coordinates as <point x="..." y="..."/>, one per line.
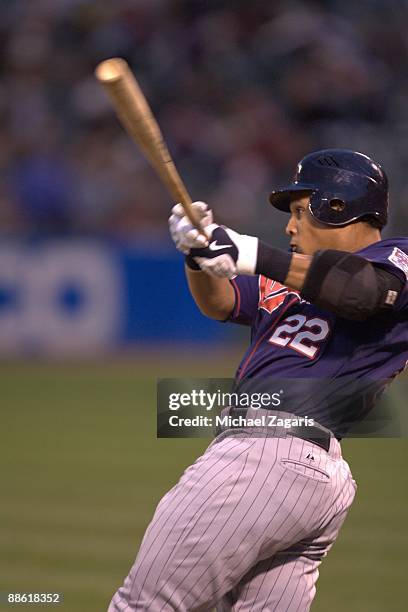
<point x="364" y="237"/>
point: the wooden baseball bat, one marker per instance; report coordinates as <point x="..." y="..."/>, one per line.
<point x="137" y="118"/>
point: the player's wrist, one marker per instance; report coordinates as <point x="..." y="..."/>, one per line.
<point x="272" y="262"/>
<point x="257" y="257"/>
<point x="247" y="252"/>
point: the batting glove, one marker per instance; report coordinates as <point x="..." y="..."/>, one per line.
<point x="227" y="254"/>
<point x="183" y="233"/>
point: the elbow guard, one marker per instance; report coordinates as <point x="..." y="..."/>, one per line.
<point x="349" y="285"/>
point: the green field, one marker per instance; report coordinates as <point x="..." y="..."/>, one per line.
<point x="82" y="471"/>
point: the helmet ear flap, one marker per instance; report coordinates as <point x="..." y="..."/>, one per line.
<point x="329" y="208"/>
<point x="323" y="204"/>
<point x="315" y="204"/>
<point x="337" y="204"/>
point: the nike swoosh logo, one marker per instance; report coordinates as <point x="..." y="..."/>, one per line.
<point x="213" y="246"/>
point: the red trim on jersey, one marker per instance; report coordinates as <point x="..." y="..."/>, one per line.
<point x="268" y="331"/>
<point x="272" y="294"/>
<point x="237" y="305"/>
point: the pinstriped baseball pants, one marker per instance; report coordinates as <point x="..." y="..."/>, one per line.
<point x="245" y="528"/>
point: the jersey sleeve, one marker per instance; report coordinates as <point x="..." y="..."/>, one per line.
<point x="246" y="289"/>
<point x="391" y="255"/>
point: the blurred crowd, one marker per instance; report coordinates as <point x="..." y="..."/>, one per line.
<point x="241" y="90"/>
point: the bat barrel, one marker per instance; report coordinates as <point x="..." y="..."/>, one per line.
<point x="111" y="70"/>
<point x="137" y="118"/>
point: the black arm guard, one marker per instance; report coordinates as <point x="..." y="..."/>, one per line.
<point x="349" y="285"/>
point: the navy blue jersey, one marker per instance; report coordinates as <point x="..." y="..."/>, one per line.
<point x="292" y="338"/>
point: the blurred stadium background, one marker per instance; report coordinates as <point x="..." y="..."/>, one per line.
<point x="93" y="303"/>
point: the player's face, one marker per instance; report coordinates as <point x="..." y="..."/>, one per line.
<point x="307" y="235"/>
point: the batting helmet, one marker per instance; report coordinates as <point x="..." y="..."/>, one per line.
<point x="343" y="186"/>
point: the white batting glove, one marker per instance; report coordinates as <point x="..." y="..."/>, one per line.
<point x="228" y="253"/>
<point x="183" y="233"/>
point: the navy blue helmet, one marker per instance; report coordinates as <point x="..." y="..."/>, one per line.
<point x="343" y="186"/>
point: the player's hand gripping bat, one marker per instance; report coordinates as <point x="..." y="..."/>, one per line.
<point x="137" y="118"/>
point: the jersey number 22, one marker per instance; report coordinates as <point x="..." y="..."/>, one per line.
<point x="302" y="334"/>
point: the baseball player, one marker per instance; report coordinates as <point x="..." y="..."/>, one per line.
<point x="247" y="525"/>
